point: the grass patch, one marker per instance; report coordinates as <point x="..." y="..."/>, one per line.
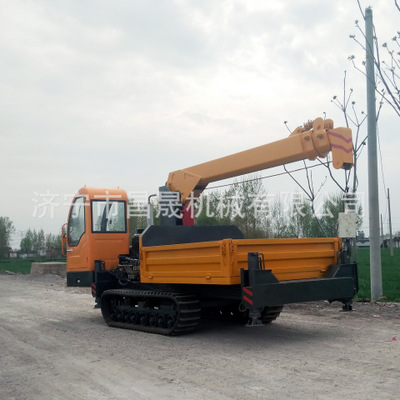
<point x="390" y="274"/>
<point x="20" y="266"/>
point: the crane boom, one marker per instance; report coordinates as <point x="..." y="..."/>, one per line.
<point x="300" y="145"/>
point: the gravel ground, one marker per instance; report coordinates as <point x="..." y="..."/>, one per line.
<point x="54" y="345"/>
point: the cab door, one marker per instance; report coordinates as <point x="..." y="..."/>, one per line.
<point x="78" y="270"/>
<point x="109" y="230"/>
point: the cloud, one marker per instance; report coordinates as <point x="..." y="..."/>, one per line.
<point x="120" y="93"/>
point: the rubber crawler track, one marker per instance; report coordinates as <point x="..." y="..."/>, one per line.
<point x="149" y="311"/>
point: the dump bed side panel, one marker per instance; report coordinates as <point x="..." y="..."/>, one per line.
<point x="204" y="263"/>
<point x="289" y="259"/>
<point x="219" y="262"/>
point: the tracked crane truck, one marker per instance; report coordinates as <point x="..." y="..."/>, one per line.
<point x="168" y="276"/>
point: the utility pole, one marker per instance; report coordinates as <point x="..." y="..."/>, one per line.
<point x="390" y="225"/>
<point x="373" y="192"/>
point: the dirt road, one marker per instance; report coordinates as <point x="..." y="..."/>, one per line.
<point x="54" y="345"/>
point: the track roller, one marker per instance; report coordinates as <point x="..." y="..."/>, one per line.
<point x="149" y="311"/>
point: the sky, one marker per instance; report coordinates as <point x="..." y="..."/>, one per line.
<point x="119" y="93"/>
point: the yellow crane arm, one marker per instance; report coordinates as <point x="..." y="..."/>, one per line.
<point x="300" y="145"/>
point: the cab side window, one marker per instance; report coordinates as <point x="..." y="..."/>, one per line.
<point x="108" y="216"/>
<point x="76" y="222"/>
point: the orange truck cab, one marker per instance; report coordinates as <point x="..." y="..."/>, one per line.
<point x="97" y="229"/>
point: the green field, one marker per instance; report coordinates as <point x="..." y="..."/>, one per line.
<point x="390" y="272"/>
<point x="20" y="266"/>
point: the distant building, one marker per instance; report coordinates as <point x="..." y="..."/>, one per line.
<point x="396" y="241"/>
<point x="362" y="241"/>
<point x="42" y="252"/>
<point x="14" y="254"/>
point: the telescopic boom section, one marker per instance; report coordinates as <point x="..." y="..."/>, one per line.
<point x="300" y="145"/>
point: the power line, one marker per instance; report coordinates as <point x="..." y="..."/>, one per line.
<point x="269" y="176"/>
<point x="381" y="158"/>
<point x="383" y="173"/>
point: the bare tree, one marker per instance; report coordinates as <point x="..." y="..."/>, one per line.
<point x="387" y="63"/>
<point x="310" y="192"/>
<point x="354" y="120"/>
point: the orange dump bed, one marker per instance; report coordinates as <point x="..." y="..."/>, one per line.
<point x="219" y="262"/>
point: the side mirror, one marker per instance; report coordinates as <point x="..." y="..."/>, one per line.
<point x="64" y="240"/>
